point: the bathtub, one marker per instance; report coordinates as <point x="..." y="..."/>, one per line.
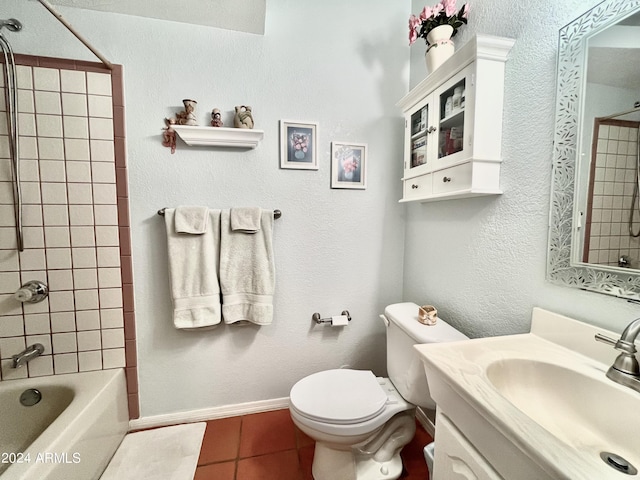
<point x="71" y="433"/>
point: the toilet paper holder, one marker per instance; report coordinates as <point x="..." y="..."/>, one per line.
<point x="317" y="318"/>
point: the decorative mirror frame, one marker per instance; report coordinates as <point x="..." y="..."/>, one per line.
<point x="572" y="54"/>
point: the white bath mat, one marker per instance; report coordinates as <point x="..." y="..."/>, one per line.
<point x="169" y="453"/>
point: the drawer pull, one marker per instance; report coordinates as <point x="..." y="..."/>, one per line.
<point x="413" y="185"/>
<point x="446" y="179"/>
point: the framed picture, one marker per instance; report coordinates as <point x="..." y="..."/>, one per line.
<point x="348" y="165"/>
<point x="298" y="145"/>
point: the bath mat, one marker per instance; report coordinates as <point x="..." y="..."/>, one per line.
<point x="169" y="453"/>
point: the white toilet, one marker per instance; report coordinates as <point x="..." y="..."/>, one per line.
<point x="360" y="422"/>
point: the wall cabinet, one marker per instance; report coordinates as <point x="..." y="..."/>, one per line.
<point x="453" y="125"/>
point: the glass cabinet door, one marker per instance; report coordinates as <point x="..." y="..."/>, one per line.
<point x="453" y="121"/>
<point x="419" y="131"/>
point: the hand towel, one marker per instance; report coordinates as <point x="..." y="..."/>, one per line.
<point x="247" y="271"/>
<point x="246" y="219"/>
<point x="193" y="266"/>
<point x="191" y="219"/>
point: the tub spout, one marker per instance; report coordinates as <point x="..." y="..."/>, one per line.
<point x="31" y="352"/>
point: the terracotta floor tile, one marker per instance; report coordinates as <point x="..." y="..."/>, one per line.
<point x="267" y="433"/>
<point x="273" y="466"/>
<point x="221" y="440"/>
<point x="303" y="439"/>
<point x="415" y="466"/>
<point x="216" y="471"/>
<point x="305" y="456"/>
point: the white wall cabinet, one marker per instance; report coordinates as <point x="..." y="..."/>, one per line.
<point x="453" y="125"/>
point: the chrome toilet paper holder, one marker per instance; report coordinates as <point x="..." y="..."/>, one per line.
<point x="316" y="317"/>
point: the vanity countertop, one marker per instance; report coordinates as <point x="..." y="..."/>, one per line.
<point x="468" y="368"/>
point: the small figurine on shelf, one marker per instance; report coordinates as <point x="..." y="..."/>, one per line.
<point x="216" y="118"/>
<point x="169" y="135"/>
<point x="243" y="117"/>
<point x="188" y="116"/>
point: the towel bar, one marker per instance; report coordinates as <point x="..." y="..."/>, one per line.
<point x="316" y="317"/>
<point x="276" y="213"/>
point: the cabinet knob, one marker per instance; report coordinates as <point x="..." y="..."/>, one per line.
<point x="413" y="185"/>
<point x="446" y="179"/>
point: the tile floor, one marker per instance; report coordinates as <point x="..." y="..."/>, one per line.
<point x="268" y="446"/>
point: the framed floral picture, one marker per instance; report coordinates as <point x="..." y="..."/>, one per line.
<point x="348" y="165"/>
<point x="298" y="145"/>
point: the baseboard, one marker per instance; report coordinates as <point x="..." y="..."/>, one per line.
<point x="208" y="413"/>
<point x="427" y="419"/>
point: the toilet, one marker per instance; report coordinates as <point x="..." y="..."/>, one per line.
<point x="360" y="422"/>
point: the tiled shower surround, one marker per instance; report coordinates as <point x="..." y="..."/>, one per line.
<point x="76" y="223"/>
<point x="612" y="181"/>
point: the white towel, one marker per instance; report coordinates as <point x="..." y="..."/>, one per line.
<point x="247" y="271"/>
<point x="191" y="220"/>
<point x="193" y="266"/>
<point x="246" y="219"/>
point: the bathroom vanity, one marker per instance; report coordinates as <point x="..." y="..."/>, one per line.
<point x="535" y="406"/>
<point x="453" y="125"/>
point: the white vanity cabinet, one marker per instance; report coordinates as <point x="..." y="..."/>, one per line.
<point x="453" y="125"/>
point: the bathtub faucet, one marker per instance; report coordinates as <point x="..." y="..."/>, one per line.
<point x="31" y="352"/>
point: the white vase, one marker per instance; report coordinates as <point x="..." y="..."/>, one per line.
<point x="440" y="47"/>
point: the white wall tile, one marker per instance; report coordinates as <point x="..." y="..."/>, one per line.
<point x="113" y="338"/>
<point x="64" y="342"/>
<point x="41" y="366"/>
<point x="46" y="79"/>
<point x="4" y="153"/>
<point x="74" y="104"/>
<point x="10" y="325"/>
<point x="37" y="323"/>
<point x="30" y="193"/>
<point x="107" y="236"/>
<point x="44" y="339"/>
<point x="100" y="128"/>
<point x="77" y="149"/>
<point x="111" y="297"/>
<point x="86" y="299"/>
<point x="84" y="257"/>
<point x="60" y="280"/>
<point x="48" y="102"/>
<point x="102" y="151"/>
<point x="26" y="103"/>
<point x="9" y="282"/>
<point x="109" y="278"/>
<point x="112" y="318"/>
<point x="31" y="215"/>
<point x="32" y="259"/>
<point x="6" y="193"/>
<point x="113" y="358"/>
<point x="100" y="106"/>
<point x="79" y="172"/>
<point x="6" y="216"/>
<point x="11" y="346"/>
<point x="11" y="308"/>
<point x="80" y="193"/>
<point x="98" y="83"/>
<point x="55" y="215"/>
<point x="52" y="171"/>
<point x="29" y="170"/>
<point x="89" y="340"/>
<point x="57" y="237"/>
<point x="27" y="124"/>
<point x="49" y="125"/>
<point x="73" y="81"/>
<point x="81" y="215"/>
<point x="85" y="278"/>
<point x="108" y="256"/>
<point x="8" y="238"/>
<point x="61" y="301"/>
<point x="10" y="373"/>
<point x="65" y="363"/>
<point x="50" y="149"/>
<point x="58" y="258"/>
<point x="88" y="320"/>
<point x="106" y="214"/>
<point x="28" y="148"/>
<point x="63" y="322"/>
<point x="24" y="77"/>
<point x="104" y="193"/>
<point x="88" y="361"/>
<point x="75" y="127"/>
<point x="82" y="237"/>
<point x="54" y="193"/>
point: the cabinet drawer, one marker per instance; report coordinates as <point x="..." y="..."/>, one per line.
<point x="453" y="179"/>
<point x="417" y="187"/>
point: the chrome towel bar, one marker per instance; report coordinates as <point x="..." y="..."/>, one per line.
<point x="276" y="213"/>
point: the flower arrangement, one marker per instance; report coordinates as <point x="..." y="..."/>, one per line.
<point x="444" y="13"/>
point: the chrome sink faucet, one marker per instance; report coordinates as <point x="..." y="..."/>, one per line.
<point x="31" y="352"/>
<point x="625" y="369"/>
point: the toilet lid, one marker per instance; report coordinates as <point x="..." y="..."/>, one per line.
<point x="339" y="396"/>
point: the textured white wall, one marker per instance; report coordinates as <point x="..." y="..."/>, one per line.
<point x="482" y="261"/>
<point x="343" y="66"/>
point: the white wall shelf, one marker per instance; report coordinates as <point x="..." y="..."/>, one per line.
<point x="219" y="136"/>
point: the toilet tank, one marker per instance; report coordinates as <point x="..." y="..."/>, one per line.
<point x="403" y="362"/>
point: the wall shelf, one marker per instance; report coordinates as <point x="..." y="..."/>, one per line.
<point x="219" y="136"/>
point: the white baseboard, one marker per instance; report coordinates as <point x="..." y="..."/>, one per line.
<point x="208" y="413"/>
<point x="427" y="420"/>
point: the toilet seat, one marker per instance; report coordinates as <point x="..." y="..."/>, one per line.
<point x="340" y="396"/>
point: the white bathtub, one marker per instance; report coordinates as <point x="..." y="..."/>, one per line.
<point x="72" y="433"/>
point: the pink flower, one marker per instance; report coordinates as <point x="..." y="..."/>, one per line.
<point x="437" y="9"/>
<point x="449" y="7"/>
<point x="414" y="23"/>
<point x="465" y="14"/>
<point x="426" y="13"/>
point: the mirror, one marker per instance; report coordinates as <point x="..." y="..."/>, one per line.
<point x="594" y="173"/>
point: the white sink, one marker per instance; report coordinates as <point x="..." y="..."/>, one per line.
<point x="588" y="412"/>
<point x="552" y="404"/>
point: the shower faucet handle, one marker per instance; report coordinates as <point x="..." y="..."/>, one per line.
<point x="33" y="291"/>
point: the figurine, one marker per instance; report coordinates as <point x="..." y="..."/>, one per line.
<point x="169" y="135"/>
<point x="243" y="118"/>
<point x="216" y="118"/>
<point x="188" y="116"/>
